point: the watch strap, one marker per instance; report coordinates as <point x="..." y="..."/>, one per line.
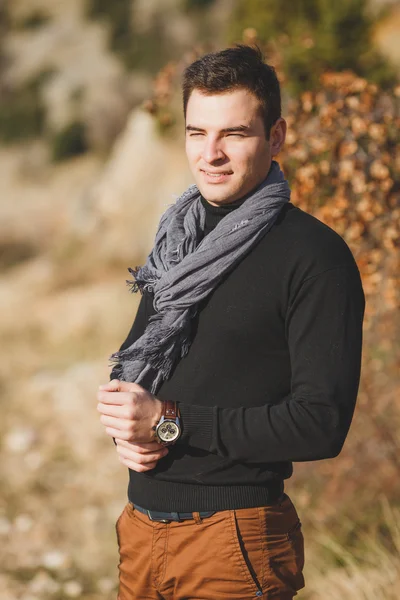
<point x="170" y="410"/>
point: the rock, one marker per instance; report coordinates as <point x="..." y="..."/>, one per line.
<point x="145" y="174"/>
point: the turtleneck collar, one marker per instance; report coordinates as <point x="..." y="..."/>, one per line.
<point x="214" y="214"/>
<point x="223" y="209"/>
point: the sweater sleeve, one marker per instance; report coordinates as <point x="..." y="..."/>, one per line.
<point x="324" y="335"/>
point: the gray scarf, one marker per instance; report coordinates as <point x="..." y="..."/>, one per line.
<point x="181" y="272"/>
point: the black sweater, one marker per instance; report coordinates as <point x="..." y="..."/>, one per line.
<point x="272" y="374"/>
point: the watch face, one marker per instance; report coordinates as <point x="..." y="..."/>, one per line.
<point x="168" y="431"/>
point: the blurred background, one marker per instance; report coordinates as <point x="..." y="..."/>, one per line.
<point x="91" y="154"/>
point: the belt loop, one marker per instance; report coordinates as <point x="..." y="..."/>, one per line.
<point x="175" y="516"/>
<point x="197" y="519"/>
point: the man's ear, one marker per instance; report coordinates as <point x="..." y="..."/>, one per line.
<point x="277" y="136"/>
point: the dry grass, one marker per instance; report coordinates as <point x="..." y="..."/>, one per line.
<point x="369" y="570"/>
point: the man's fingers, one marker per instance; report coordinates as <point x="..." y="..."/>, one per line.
<point x="139" y="462"/>
<point x="116" y="423"/>
<point x="115" y="385"/>
<point x="114" y="397"/>
<point x="111" y="386"/>
<point x="136" y="466"/>
<point x="141" y="459"/>
<point x="123" y="411"/>
<point x="117" y="433"/>
<point x="127" y="435"/>
<point x="141" y="448"/>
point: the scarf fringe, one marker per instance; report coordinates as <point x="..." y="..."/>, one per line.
<point x="144" y="279"/>
<point x="161" y="353"/>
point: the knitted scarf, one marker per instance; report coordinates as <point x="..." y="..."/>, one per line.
<point x="181" y="271"/>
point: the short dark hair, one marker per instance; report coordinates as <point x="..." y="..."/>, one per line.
<point x="234" y="68"/>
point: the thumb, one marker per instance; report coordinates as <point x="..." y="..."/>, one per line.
<point x="112" y="386"/>
<point x="115" y="385"/>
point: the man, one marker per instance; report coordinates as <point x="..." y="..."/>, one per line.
<point x="244" y="357"/>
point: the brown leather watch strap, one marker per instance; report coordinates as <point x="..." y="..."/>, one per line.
<point x="170" y="410"/>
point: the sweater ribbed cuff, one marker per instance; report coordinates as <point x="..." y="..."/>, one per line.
<point x="197" y="425"/>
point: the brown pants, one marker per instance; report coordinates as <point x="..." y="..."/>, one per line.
<point x="234" y="554"/>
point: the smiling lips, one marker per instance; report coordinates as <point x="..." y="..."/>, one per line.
<point x="216" y="177"/>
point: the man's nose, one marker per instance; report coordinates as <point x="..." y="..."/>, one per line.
<point x="212" y="151"/>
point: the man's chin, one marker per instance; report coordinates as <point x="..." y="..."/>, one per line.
<point x="218" y="196"/>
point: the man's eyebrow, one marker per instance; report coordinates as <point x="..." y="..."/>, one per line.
<point x="192" y="128"/>
<point x="226" y="130"/>
<point x="238" y="128"/>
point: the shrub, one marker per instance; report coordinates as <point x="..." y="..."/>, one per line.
<point x="314" y="36"/>
<point x="147" y="50"/>
<point x="70" y="141"/>
<point x="22" y="113"/>
<point x="34" y="20"/>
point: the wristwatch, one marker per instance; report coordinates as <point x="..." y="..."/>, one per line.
<point x="168" y="428"/>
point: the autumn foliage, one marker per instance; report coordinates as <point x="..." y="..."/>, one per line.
<point x="342" y="158"/>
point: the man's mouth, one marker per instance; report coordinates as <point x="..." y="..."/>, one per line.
<point x="218" y="176"/>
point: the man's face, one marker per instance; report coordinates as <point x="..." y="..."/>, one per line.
<point x="226" y="145"/>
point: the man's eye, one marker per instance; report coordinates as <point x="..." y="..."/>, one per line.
<point x="195" y="134"/>
<point x="236" y="135"/>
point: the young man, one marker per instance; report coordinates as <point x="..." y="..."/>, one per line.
<point x="244" y="357"/>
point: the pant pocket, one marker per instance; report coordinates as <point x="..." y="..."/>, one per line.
<point x="245" y="524"/>
<point x="285" y="561"/>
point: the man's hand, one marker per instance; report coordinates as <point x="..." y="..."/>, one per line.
<point x="128" y="411"/>
<point x="140" y="457"/>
